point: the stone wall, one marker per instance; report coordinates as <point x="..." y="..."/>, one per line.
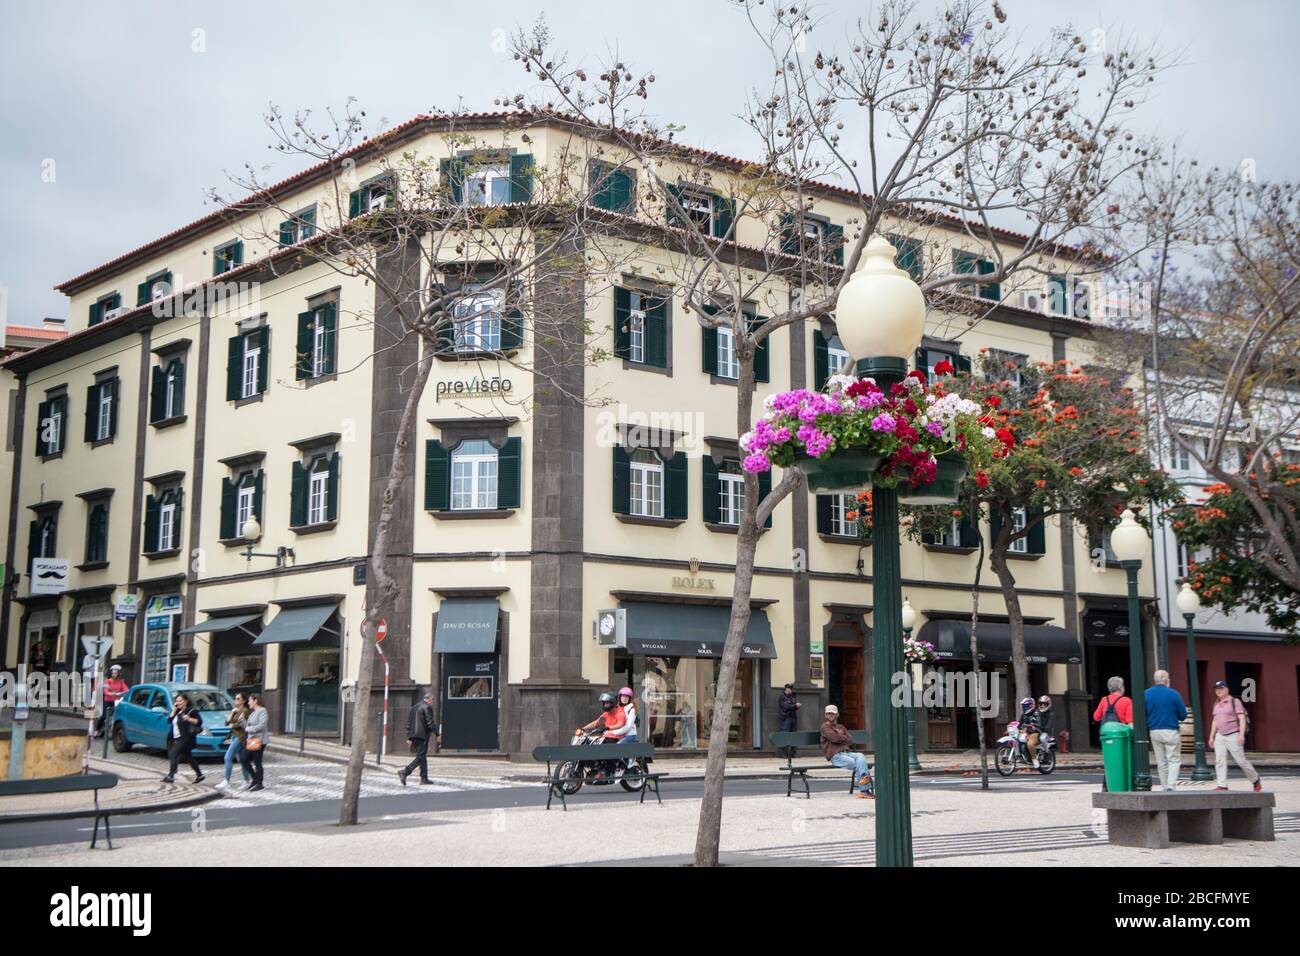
<point x="48" y="753"/>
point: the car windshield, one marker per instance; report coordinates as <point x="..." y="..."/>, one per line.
<point x="205" y="700"/>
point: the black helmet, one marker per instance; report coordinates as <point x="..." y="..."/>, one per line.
<point x="606" y="701"/>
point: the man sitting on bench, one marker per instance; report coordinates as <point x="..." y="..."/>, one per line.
<point x="836" y="741"/>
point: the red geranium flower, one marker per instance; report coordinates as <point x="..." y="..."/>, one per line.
<point x="943" y="368"/>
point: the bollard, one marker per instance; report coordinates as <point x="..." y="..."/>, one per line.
<point x="302" y="726"/>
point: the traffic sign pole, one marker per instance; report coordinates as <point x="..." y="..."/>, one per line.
<point x="381" y="631"/>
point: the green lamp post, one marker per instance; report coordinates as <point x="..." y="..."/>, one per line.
<point x="1131" y="543"/>
<point x="880" y="318"/>
<point x="909" y="621"/>
<point x="1189" y="602"/>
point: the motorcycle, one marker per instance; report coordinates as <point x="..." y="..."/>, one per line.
<point x="1013" y="748"/>
<point x="600" y="770"/>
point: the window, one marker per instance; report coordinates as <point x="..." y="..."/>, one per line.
<point x="51" y="425"/>
<point x="1180" y="459"/>
<point x="710" y="214"/>
<point x="966" y="262"/>
<point x="241" y="499"/>
<point x="950" y="536"/>
<point x="301" y="226"/>
<point x="474" y="476"/>
<point x="227" y="257"/>
<point x="612" y="189"/>
<point x="318" y="494"/>
<point x="167" y="398"/>
<point x="372" y="197"/>
<point x="1008" y="366"/>
<point x="157" y="286"/>
<point x="162" y="521"/>
<point x="317" y="345"/>
<point x="698" y="208"/>
<point x="641" y="327"/>
<point x="728" y="364"/>
<point x="1182" y="559"/>
<point x="43" y="536"/>
<point x="837" y="356"/>
<point x="175" y="400"/>
<point x="487" y="185"/>
<point x="1018" y="520"/>
<point x="167" y="526"/>
<point x="244" y="508"/>
<point x="476" y="319"/>
<point x="647" y="497"/>
<point x="910" y="255"/>
<point x="731" y="492"/>
<point x="813" y="237"/>
<point x="104" y="412"/>
<point x="841" y="505"/>
<point x="97" y="533"/>
<point x="250" y="377"/>
<point x="105" y="308"/>
<point x="488" y="179"/>
<point x="928" y="358"/>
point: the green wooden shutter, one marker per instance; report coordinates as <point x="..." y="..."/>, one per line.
<point x="329" y="315"/>
<point x="834" y="240"/>
<point x="656" y="332"/>
<point x="789" y="237"/>
<point x="257" y="496"/>
<point x="33" y="543"/>
<point x="142" y="293"/>
<point x="676" y="504"/>
<point x="437" y="476"/>
<point x="332" y="492"/>
<point x="709" y="345"/>
<point x="825" y="514"/>
<point x="180" y="386"/>
<point x="909" y="255"/>
<point x="96" y="313"/>
<point x="64" y="424"/>
<point x="452" y="172"/>
<point x="1037" y="534"/>
<point x="821" y="360"/>
<point x="42" y="415"/>
<point x="624" y="194"/>
<point x="521" y="177"/>
<point x="298" y="496"/>
<point x="622" y="320"/>
<point x="92" y="412"/>
<point x="724" y="217"/>
<point x="622" y="482"/>
<point x="234" y="367"/>
<point x="302" y="367"/>
<point x="920" y="362"/>
<point x="286" y="232"/>
<point x="229" y="509"/>
<point x="151" y="509"/>
<point x="712" y="512"/>
<point x="990" y="290"/>
<point x="762" y="354"/>
<point x="995" y="524"/>
<point x="354" y="203"/>
<point x="600" y="184"/>
<point x="969" y="535"/>
<point x="512" y="328"/>
<point x="764" y="489"/>
<point x="509" y="468"/>
<point x="961" y="363"/>
<point x="264" y="360"/>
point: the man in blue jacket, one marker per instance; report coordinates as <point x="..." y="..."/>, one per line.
<point x="1165" y="711"/>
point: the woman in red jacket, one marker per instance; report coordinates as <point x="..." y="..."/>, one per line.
<point x="1114" y="706"/>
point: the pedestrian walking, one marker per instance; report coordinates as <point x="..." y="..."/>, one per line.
<point x="836" y="741"/>
<point x="421" y="727"/>
<point x="1228" y="736"/>
<point x="1165" y="712"/>
<point x="235" y="745"/>
<point x="184" y="724"/>
<point x="1114" y="706"/>
<point x="114" y="690"/>
<point x="257" y="735"/>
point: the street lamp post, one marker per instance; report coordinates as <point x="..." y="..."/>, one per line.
<point x="908" y="617"/>
<point x="1130" y="542"/>
<point x="1189" y="602"/>
<point x="251" y="531"/>
<point x="880" y="318"/>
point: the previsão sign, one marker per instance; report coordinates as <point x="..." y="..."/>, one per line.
<point x="475" y="387"/>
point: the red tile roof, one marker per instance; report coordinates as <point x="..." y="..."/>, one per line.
<point x="35" y="332"/>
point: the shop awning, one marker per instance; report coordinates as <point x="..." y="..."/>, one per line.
<point x="1044" y="644"/>
<point x="466" y="626"/>
<point x="297" y="624"/>
<point x="688" y="630"/>
<point x="219" y="625"/>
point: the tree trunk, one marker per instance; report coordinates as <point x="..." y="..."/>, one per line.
<point x="975" y="658"/>
<point x="387" y="586"/>
<point x="1020" y="667"/>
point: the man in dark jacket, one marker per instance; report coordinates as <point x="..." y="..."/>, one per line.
<point x="788" y="705"/>
<point x="422" y="727"/>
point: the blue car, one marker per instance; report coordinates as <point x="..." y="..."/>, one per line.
<point x="141" y="717"/>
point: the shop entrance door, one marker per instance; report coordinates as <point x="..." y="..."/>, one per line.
<point x="470" y="697"/>
<point x="847" y="685"/>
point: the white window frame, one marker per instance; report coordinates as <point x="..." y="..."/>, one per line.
<point x="48" y="530"/>
<point x="646" y="491"/>
<point x="1180" y="459"/>
<point x="480" y="183"/>
<point x="837" y="356"/>
<point x="252" y="361"/>
<point x="478" y="474"/>
<point x="56" y="427"/>
<point x="378" y="196"/>
<point x="933" y="357"/>
<point x="840" y="525"/>
<point x="104" y="419"/>
<point x="636" y="334"/>
<point x="318" y="492"/>
<point x="731" y="498"/>
<point x="167" y="526"/>
<point x="728" y="363"/>
<point x="245" y="498"/>
<point x="319" y="338"/>
<point x="476" y="320"/>
<point x="1019" y="517"/>
<point x="814" y="237"/>
<point x="950" y="537"/>
<point x="699" y="208"/>
<point x="1182" y="559"/>
<point x="169" y="406"/>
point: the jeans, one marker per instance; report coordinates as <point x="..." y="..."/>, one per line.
<point x="251" y="761"/>
<point x="855" y="761"/>
<point x="421" y="760"/>
<point x="1168" y="745"/>
<point x="235" y="752"/>
<point x="178" y="750"/>
<point x="1225" y="744"/>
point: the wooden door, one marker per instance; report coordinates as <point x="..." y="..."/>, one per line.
<point x="853" y="711"/>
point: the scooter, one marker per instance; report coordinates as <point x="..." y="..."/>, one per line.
<point x="601" y="769"/>
<point x="1013" y="749"/>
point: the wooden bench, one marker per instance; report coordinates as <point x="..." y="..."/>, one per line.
<point x="560" y="756"/>
<point x="77" y="782"/>
<point x="790" y="741"/>
<point x="1154" y="820"/>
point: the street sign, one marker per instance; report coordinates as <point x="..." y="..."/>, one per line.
<point x="49" y="575"/>
<point x="127" y="608"/>
<point x="381" y="630"/>
<point x="96" y="646"/>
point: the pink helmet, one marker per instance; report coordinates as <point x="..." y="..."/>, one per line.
<point x="625" y="692"/>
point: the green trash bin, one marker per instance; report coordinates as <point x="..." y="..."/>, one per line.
<point x="1117" y="756"/>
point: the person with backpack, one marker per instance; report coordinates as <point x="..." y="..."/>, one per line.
<point x="1227" y="736"/>
<point x="1114" y="706"/>
<point x="422" y="726"/>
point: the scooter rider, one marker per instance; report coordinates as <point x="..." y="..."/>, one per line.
<point x="1046" y="721"/>
<point x="1029" y="726"/>
<point x="612" y="717"/>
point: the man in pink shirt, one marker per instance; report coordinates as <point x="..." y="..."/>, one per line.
<point x="1227" y="736"/>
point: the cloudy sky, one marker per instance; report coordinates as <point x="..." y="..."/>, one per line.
<point x="118" y="114"/>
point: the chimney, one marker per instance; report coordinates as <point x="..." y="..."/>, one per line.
<point x="51" y="322"/>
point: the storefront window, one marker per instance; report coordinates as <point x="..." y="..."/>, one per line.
<point x="240" y="673"/>
<point x="43" y="650"/>
<point x="676" y="699"/>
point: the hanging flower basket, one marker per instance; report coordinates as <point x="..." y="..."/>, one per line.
<point x="849" y="469"/>
<point x="919" y="652"/>
<point x="943" y="489"/>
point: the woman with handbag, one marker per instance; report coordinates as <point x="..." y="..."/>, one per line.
<point x="256" y="726"/>
<point x="235" y="746"/>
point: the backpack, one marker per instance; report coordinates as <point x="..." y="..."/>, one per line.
<point x="1110" y="713"/>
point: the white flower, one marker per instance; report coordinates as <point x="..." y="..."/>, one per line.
<point x="744" y="440"/>
<point x="988" y="432"/>
<point x="769" y="402"/>
<point x="838" y="383"/>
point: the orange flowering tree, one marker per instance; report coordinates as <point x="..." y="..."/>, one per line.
<point x="1239" y="571"/>
<point x="1072" y="452"/>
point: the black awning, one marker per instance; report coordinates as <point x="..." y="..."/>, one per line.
<point x="301" y="624"/>
<point x="1044" y="644"/>
<point x="691" y="630"/>
<point x="466" y="626"/>
<point x="217" y="625"/>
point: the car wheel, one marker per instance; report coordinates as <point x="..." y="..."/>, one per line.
<point x="120" y="743"/>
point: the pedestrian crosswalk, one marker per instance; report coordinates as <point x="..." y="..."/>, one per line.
<point x="302" y="782"/>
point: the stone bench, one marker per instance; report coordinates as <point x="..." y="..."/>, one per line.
<point x="1154" y="820"/>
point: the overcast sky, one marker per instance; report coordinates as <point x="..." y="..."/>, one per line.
<point x="112" y="124"/>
